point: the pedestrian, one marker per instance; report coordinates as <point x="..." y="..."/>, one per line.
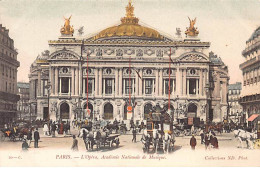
<point x="25" y="145"/>
<point x="74" y="144"/>
<point x="134" y="135"/>
<point x="36" y="137"/>
<point x="215" y="139"/>
<point x="193" y="142"/>
<point x="84" y="137"/>
<point x="29" y="137"/>
<point x="202" y="136"/>
<point x="207" y="141"/>
<point x="45" y="130"/>
<point x="192" y="129"/>
<point x="53" y="129"/>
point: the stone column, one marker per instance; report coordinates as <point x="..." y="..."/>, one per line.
<point x="77" y="81"/>
<point x="116" y="82"/>
<point x="56" y="80"/>
<point x="39" y="83"/>
<point x="80" y="79"/>
<point x="157" y="82"/>
<point x="96" y="82"/>
<point x="181" y="82"/>
<point x="204" y="83"/>
<point x="60" y="86"/>
<point x="136" y="84"/>
<point x="120" y="81"/>
<point x="52" y="81"/>
<point x="160" y="82"/>
<point x="69" y="85"/>
<point x="72" y="81"/>
<point x="188" y="87"/>
<point x="184" y="82"/>
<point x="178" y="79"/>
<point x="141" y="83"/>
<point x="200" y="83"/>
<point x="100" y="82"/>
<point x="84" y="87"/>
<point x="197" y="86"/>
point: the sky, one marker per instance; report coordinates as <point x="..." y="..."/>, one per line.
<point x="226" y="24"/>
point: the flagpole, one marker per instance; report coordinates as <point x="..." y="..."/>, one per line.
<point x="169" y="83"/>
<point x="130" y="87"/>
<point x="87" y="85"/>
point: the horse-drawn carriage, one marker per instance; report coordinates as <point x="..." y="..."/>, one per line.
<point x="101" y="139"/>
<point x="158" y="136"/>
<point x="257" y="141"/>
<point x="13" y="134"/>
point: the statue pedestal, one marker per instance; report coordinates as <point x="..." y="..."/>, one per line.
<point x="191" y="38"/>
<point x="67" y="37"/>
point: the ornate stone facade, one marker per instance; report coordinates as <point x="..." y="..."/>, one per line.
<point x="250" y="95"/>
<point x="107" y="59"/>
<point x="8" y="78"/>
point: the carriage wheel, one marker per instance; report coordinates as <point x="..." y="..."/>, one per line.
<point x="12" y="138"/>
<point x="111" y="144"/>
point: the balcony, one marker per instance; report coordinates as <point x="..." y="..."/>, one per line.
<point x="9" y="97"/>
<point x="249" y="62"/>
<point x="8" y="58"/>
<point x="251" y="48"/>
<point x="249" y="99"/>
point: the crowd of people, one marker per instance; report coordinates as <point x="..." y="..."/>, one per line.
<point x="209" y="139"/>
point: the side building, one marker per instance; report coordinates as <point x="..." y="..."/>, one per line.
<point x="250" y="95"/>
<point x="104" y="71"/>
<point x="23" y="105"/>
<point x="8" y="78"/>
<point x="235" y="108"/>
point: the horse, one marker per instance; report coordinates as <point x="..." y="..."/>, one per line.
<point x="97" y="139"/>
<point x="155" y="140"/>
<point x="243" y="135"/>
<point x="166" y="142"/>
<point x="146" y="141"/>
<point x="81" y="132"/>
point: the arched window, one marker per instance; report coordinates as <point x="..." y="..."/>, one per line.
<point x="147" y="109"/>
<point x="90" y="107"/>
<point x="192" y="110"/>
<point x="64" y="111"/>
<point x="108" y="111"/>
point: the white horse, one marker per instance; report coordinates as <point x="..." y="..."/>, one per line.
<point x="166" y="142"/>
<point x="243" y="135"/>
<point x="155" y="139"/>
<point x="81" y="132"/>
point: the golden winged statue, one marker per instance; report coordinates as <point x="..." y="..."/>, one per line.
<point x="67" y="29"/>
<point x="192" y="31"/>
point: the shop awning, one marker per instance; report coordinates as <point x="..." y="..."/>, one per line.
<point x="252" y="117"/>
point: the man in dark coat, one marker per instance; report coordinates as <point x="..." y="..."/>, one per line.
<point x="25" y="145"/>
<point x="134" y="135"/>
<point x="36" y="137"/>
<point x="215" y="145"/>
<point x="207" y="141"/>
<point x="53" y="129"/>
<point x="193" y="142"/>
<point x="74" y="146"/>
<point x="29" y="137"/>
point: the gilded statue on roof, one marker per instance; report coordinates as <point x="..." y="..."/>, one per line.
<point x="67" y="29"/>
<point x="192" y="31"/>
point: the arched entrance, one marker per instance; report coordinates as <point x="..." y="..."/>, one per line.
<point x="108" y="111"/>
<point x="147" y="109"/>
<point x="64" y="111"/>
<point x="192" y="110"/>
<point x="90" y="107"/>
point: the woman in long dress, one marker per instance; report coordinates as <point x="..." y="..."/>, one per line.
<point x="46" y="130"/>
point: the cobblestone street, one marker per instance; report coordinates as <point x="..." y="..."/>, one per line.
<point x="57" y="152"/>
